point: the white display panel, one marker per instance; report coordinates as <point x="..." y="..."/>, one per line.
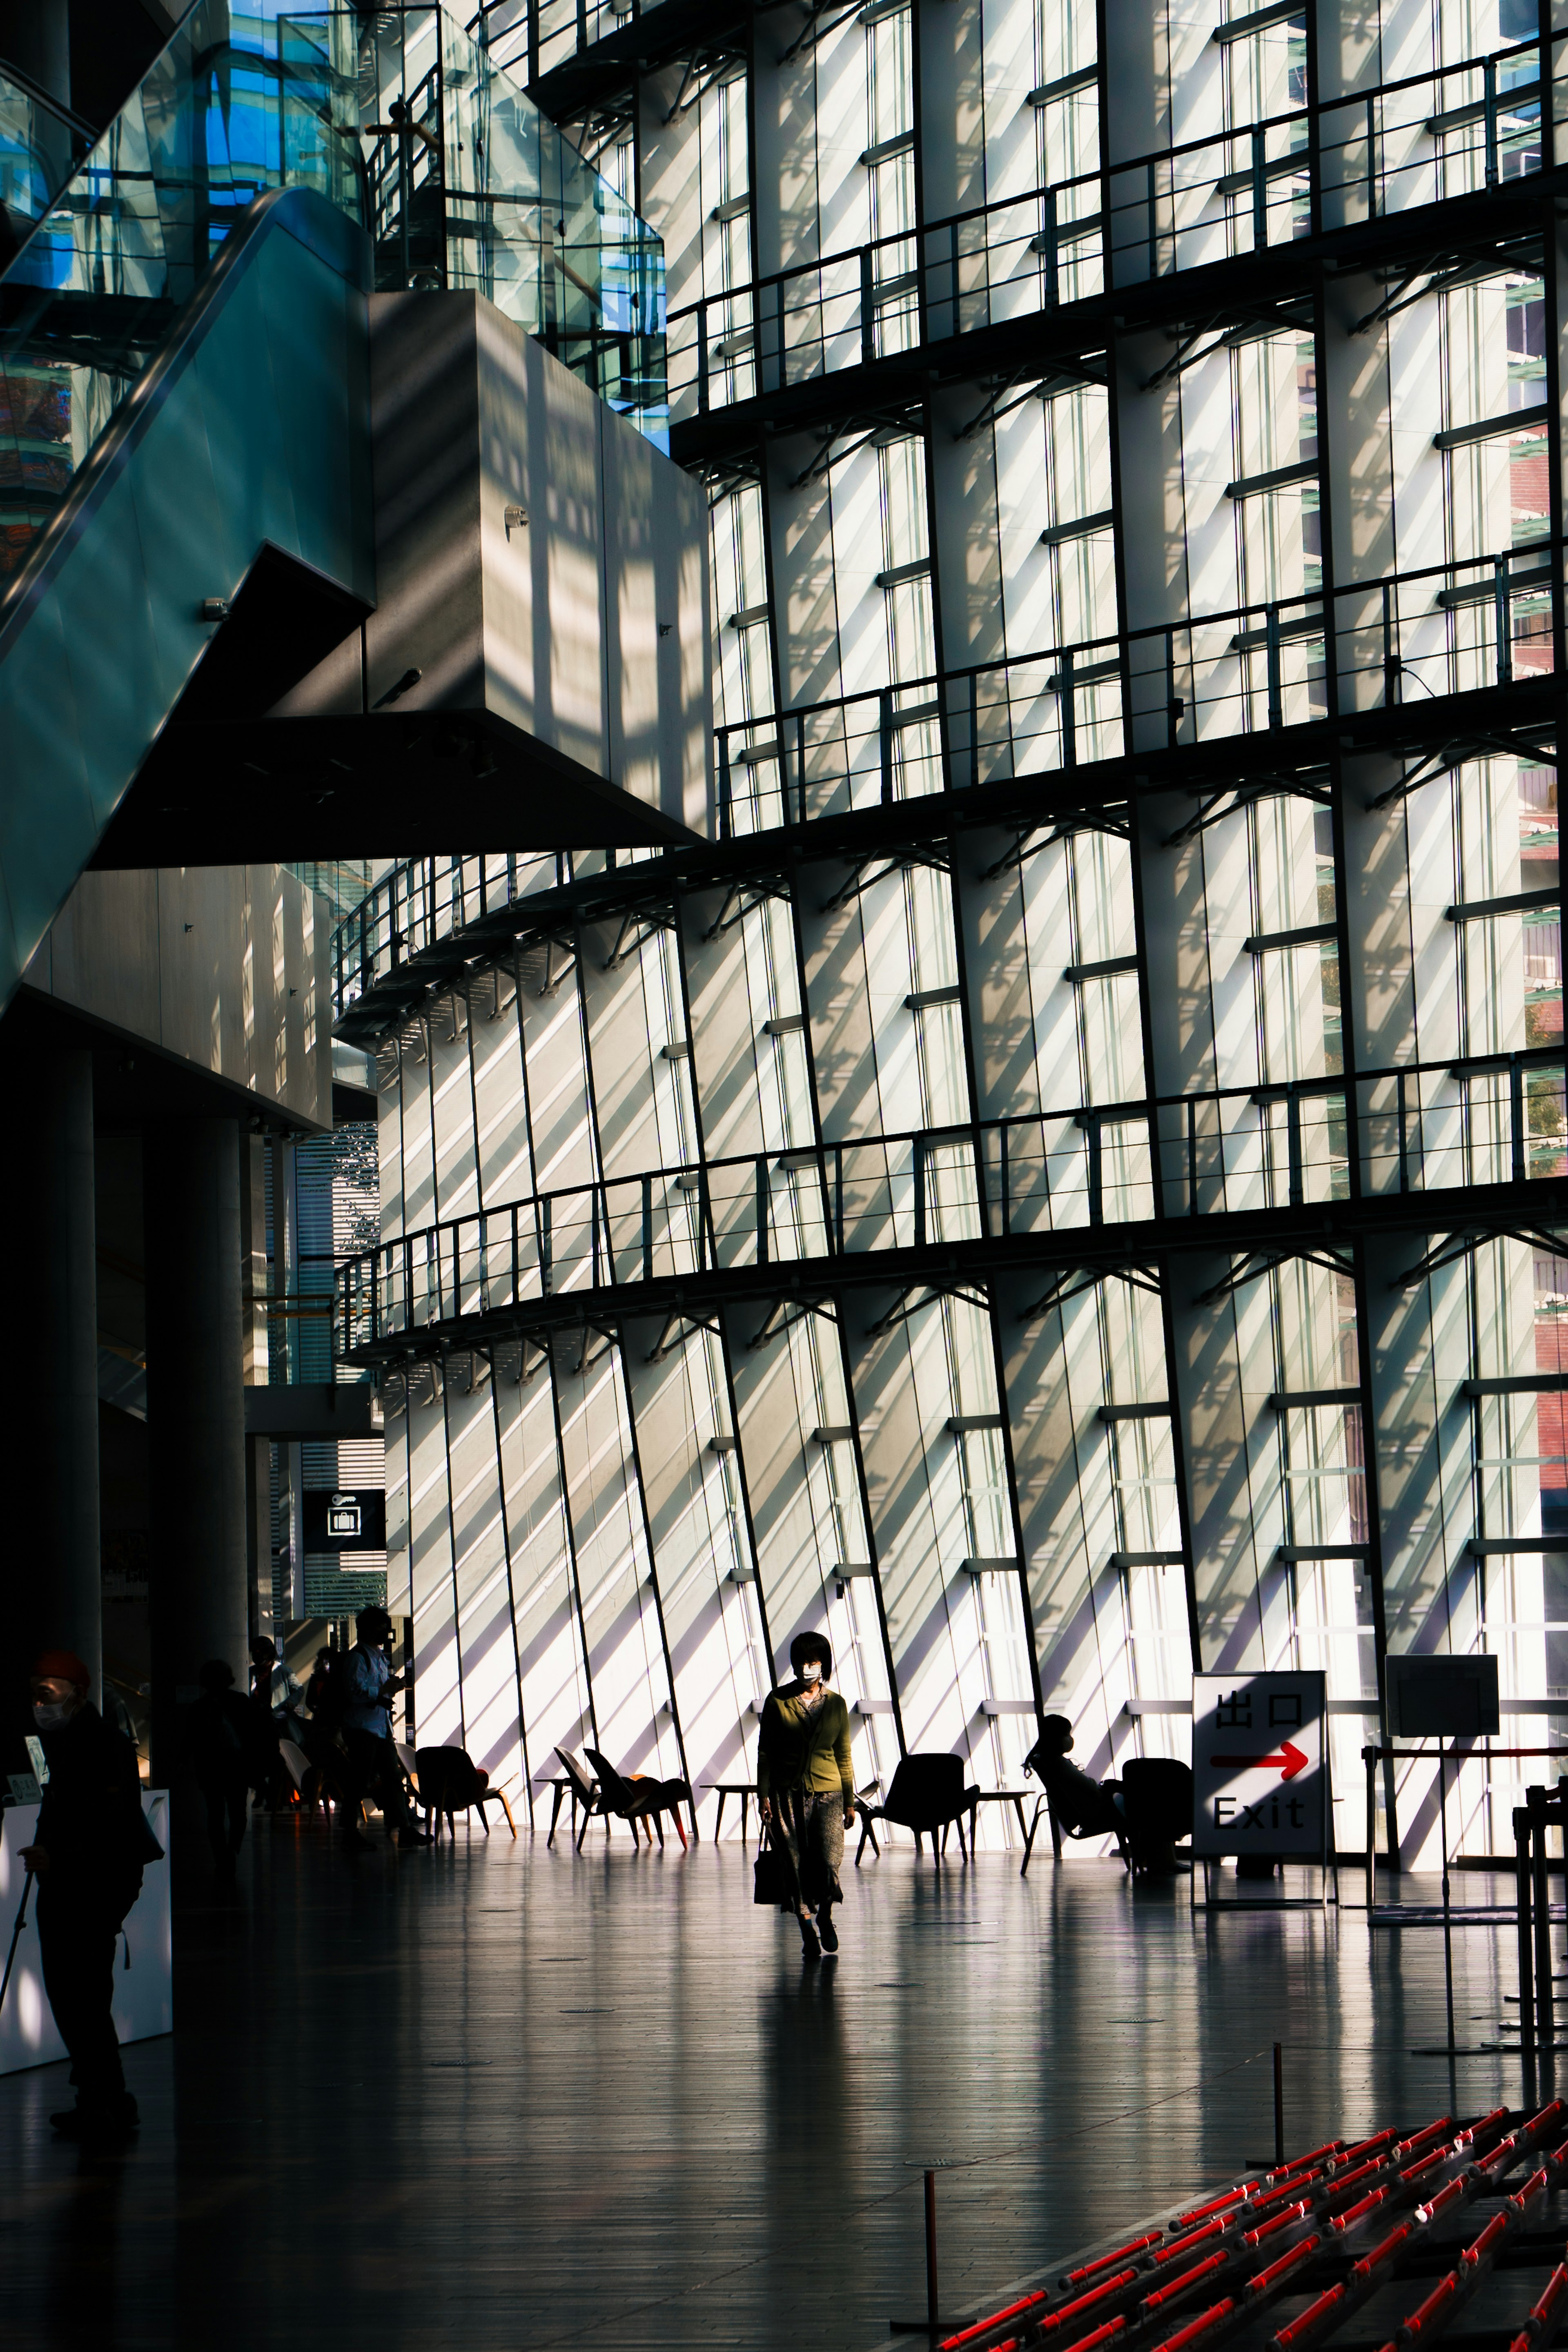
<point x="143" y="1992"/>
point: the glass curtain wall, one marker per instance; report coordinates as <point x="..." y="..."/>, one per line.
<point x="1101" y="1098"/>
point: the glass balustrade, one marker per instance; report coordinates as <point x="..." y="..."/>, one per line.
<point x="400" y="121"/>
<point x="466" y="185"/>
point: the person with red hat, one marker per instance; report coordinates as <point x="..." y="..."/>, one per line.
<point x="87" y="1854"/>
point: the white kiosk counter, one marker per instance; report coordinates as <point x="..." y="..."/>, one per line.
<point x="143" y="1992"/>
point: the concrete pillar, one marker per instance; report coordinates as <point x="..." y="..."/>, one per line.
<point x="35" y="36"/>
<point x="49" y="1386"/>
<point x="195" y="1412"/>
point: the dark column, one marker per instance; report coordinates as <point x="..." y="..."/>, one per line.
<point x="48" y="1377"/>
<point x="36" y="35"/>
<point x="195" y="1414"/>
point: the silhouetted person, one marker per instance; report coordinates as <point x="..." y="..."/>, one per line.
<point x="278" y="1698"/>
<point x="225" y="1751"/>
<point x="281" y="1690"/>
<point x="323" y="1704"/>
<point x="374" y="1766"/>
<point x="1079" y="1804"/>
<point x="88" y="1851"/>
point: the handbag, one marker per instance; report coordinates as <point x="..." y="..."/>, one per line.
<point x="772" y="1875"/>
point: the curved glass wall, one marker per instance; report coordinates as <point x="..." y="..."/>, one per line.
<point x="1069" y="1190"/>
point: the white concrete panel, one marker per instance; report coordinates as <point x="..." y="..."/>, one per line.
<point x="485" y="1637"/>
<point x="970" y="549"/>
<point x="1057" y="1380"/>
<point x="671" y="182"/>
<point x="505" y="1162"/>
<point x="844" y="130"/>
<point x="420" y="1206"/>
<point x="559" y="1113"/>
<point x="807" y="1516"/>
<point x="626" y="1655"/>
<point x="399" y="1550"/>
<point x="786" y="177"/>
<point x="701" y="1554"/>
<point x="956" y="68"/>
<point x="903" y="1399"/>
<point x="547" y="1633"/>
<point x="438" y="1689"/>
<point x="641" y="1093"/>
<point x="1224" y="1370"/>
<point x="143" y="1985"/>
<point x="728" y="1047"/>
<point x="633" y="614"/>
<point x="452" y="1107"/>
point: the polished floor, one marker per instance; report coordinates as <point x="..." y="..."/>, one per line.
<point x="504" y="2098"/>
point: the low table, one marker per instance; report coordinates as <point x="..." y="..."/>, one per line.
<point x="722" y="1790"/>
<point x="1014" y="1796"/>
<point x="564" y="1786"/>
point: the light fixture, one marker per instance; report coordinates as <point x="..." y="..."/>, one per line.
<point x="410" y="677"/>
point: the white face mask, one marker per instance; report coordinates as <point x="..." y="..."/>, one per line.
<point x="50" y="1714"/>
<point x="812" y="1671"/>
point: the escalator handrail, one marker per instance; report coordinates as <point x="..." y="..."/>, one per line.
<point x="314" y="222"/>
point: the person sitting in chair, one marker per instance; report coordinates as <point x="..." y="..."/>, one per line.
<point x="1082" y="1807"/>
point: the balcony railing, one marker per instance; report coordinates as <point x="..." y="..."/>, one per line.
<point x="1423" y="1128"/>
<point x="1448" y="628"/>
<point x="1449" y="133"/>
<point x="1481" y="622"/>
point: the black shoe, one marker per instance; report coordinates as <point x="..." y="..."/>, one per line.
<point x="828" y="1931"/>
<point x="355" y="1841"/>
<point x="414" y="1837"/>
<point x="810" y="1948"/>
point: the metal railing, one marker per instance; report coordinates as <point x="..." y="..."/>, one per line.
<point x="1482" y="621"/>
<point x="1451" y="131"/>
<point x="1422" y="1128"/>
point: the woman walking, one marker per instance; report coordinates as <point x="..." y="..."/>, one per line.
<point x="806" y="1787"/>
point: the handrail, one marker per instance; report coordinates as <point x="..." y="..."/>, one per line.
<point x="1082" y="1167"/>
<point x="104" y="268"/>
<point x="1141" y="214"/>
<point x="1377" y="647"/>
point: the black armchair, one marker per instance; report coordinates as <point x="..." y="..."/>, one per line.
<point x="1076" y="1807"/>
<point x="640" y="1799"/>
<point x="1157" y="1792"/>
<point x="584" y="1790"/>
<point x="928" y="1794"/>
<point x="449" y="1784"/>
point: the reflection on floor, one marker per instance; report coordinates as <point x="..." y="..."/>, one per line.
<point x="498" y="2096"/>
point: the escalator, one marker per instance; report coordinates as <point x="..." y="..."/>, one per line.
<point x="181" y="387"/>
<point x="188" y="524"/>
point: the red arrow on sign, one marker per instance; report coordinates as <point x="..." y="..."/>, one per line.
<point x="1289" y="1760"/>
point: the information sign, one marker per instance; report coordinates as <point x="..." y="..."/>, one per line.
<point x="345" y="1522"/>
<point x="1259" y="1776"/>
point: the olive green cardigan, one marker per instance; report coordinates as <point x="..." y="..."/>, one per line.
<point x="798" y="1749"/>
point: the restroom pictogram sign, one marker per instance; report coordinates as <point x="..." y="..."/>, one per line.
<point x="1259" y="1766"/>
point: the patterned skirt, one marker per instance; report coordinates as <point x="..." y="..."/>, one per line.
<point x="810" y="1823"/>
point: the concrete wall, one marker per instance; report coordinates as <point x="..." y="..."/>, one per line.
<point x="223" y="967"/>
<point x="587" y="627"/>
